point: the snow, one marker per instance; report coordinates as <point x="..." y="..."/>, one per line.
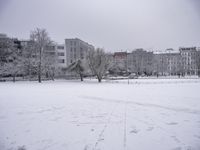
<point x="157" y="114"/>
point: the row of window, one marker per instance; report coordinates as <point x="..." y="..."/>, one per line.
<point x="60" y="47"/>
<point x="61" y="61"/>
<point x="61" y="54"/>
<point x="73" y="43"/>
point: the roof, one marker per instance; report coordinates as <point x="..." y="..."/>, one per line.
<point x="120" y="54"/>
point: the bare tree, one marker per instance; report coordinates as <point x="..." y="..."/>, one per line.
<point x="41" y="39"/>
<point x="77" y="67"/>
<point x="29" y="54"/>
<point x="49" y="65"/>
<point x="98" y="62"/>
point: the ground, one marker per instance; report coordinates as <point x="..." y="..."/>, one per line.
<point x="154" y="114"/>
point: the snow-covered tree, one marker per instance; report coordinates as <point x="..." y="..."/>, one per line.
<point x="14" y="68"/>
<point x="78" y="67"/>
<point x="98" y="62"/>
<point x="40" y="39"/>
<point x="6" y="48"/>
<point x="49" y="65"/>
<point x="11" y="61"/>
<point x="29" y="54"/>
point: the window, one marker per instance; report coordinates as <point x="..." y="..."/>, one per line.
<point x="61" y="54"/>
<point x="82" y="56"/>
<point x="49" y="47"/>
<point x="60" y="47"/>
<point x="61" y="61"/>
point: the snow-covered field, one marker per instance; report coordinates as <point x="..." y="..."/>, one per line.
<point x="64" y="115"/>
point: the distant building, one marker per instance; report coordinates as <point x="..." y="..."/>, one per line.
<point x="9" y="45"/>
<point x="2" y="35"/>
<point x="61" y="55"/>
<point x="168" y="62"/>
<point x="160" y="64"/>
<point x="76" y="49"/>
<point x="140" y="62"/>
<point x="50" y="50"/>
<point x="174" y="63"/>
<point x="120" y="60"/>
<point x="189" y="60"/>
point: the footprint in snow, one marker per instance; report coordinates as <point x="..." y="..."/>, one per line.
<point x="21" y="147"/>
<point x="20" y="113"/>
<point x="101" y="139"/>
<point x="134" y="130"/>
<point x="177" y="148"/>
<point x="175" y="139"/>
<point x="150" y="128"/>
<point x="172" y="123"/>
<point x="13" y="142"/>
<point x="188" y="148"/>
<point x="87" y="147"/>
<point x="92" y="130"/>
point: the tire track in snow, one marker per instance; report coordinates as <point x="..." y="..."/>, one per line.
<point x="156" y="126"/>
<point x="170" y="135"/>
<point x="104" y="128"/>
<point x="148" y="105"/>
<point x="125" y="127"/>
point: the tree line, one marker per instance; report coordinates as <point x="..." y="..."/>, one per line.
<point x="35" y="60"/>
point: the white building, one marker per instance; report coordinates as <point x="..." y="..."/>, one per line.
<point x="76" y="49"/>
<point x="61" y="54"/>
<point x="189" y="59"/>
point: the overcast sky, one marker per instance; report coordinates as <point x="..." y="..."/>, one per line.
<point x="112" y="24"/>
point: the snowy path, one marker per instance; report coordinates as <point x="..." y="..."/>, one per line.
<point x="107" y="116"/>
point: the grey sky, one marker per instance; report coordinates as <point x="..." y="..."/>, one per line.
<point x="112" y="24"/>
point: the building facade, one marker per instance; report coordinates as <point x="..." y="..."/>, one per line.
<point x="61" y="55"/>
<point x="189" y="60"/>
<point x="120" y="60"/>
<point x="76" y="49"/>
<point x="168" y="62"/>
<point x="140" y="62"/>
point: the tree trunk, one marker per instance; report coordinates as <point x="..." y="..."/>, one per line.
<point x="81" y="76"/>
<point x="53" y="75"/>
<point x="39" y="74"/>
<point x="99" y="78"/>
<point x="29" y="71"/>
<point x="47" y="75"/>
<point x="14" y="78"/>
<point x="40" y="63"/>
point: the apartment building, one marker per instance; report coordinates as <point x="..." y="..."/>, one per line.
<point x="76" y="49"/>
<point x="140" y="62"/>
<point x="189" y="60"/>
<point x="61" y="55"/>
<point x="168" y="62"/>
<point x="120" y="60"/>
